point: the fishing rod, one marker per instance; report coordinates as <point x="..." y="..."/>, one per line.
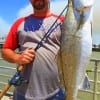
<point x="17" y="79"/>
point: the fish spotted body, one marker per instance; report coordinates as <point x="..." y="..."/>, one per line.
<point x="75" y="50"/>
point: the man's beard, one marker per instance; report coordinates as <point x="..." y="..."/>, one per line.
<point x="39" y="4"/>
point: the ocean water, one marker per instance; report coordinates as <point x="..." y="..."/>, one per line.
<point x="9" y="72"/>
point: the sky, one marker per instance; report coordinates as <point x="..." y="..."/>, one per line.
<point x="10" y="10"/>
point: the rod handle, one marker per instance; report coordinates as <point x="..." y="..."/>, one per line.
<point x="5" y="89"/>
<point x="20" y="67"/>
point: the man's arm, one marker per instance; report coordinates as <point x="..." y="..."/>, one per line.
<point x="25" y="57"/>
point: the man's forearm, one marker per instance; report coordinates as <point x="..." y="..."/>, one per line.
<point x="24" y="57"/>
<point x="9" y="55"/>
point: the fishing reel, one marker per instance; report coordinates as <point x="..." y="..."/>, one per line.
<point x="17" y="79"/>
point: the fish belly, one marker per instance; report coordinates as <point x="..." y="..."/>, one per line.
<point x="74" y="56"/>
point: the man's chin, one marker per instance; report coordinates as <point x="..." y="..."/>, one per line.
<point x="39" y="7"/>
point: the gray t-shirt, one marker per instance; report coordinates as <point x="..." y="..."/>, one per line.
<point x="42" y="73"/>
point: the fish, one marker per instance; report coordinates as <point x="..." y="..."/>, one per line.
<point x="76" y="47"/>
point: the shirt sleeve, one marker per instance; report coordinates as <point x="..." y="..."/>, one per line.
<point x="11" y="41"/>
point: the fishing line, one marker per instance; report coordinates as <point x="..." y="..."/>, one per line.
<point x="46" y="36"/>
<point x="49" y="31"/>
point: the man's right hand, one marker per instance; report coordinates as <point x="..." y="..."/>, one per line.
<point x="25" y="57"/>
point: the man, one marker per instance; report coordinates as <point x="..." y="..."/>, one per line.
<point x="39" y="67"/>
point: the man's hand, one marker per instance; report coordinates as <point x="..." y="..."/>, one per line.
<point x="26" y="56"/>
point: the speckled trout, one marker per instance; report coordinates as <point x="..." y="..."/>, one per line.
<point x="76" y="46"/>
